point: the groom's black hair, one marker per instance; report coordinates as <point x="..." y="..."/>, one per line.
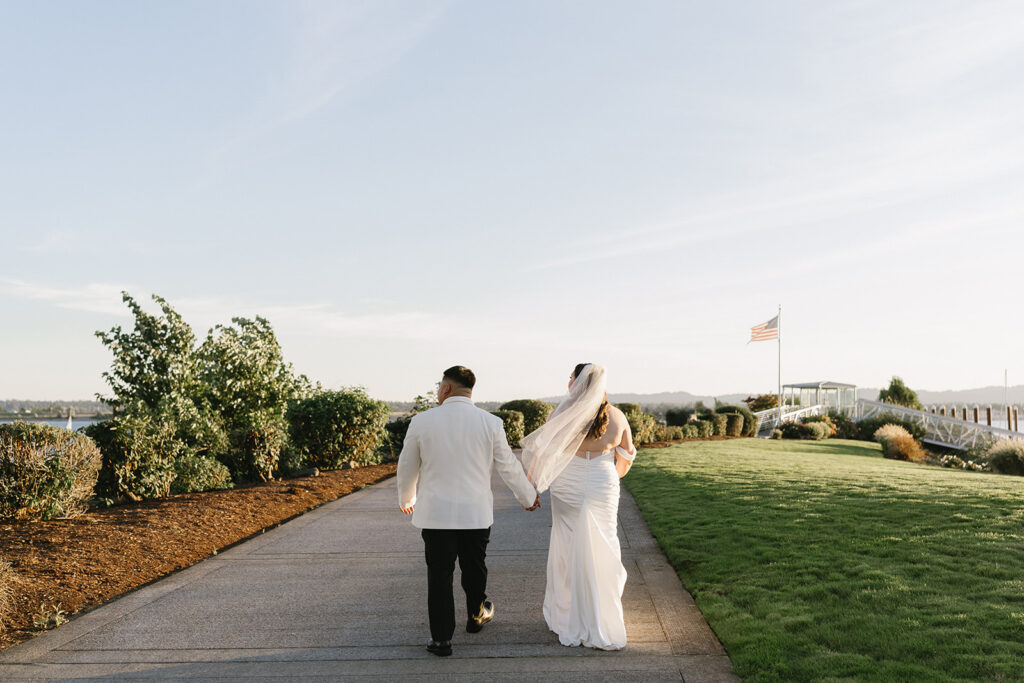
<point x="460" y="375"/>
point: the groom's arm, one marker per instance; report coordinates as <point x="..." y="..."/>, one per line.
<point x="511" y="470"/>
<point x="409" y="469"/>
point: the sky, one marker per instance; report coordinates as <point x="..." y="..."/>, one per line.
<point x="519" y="186"/>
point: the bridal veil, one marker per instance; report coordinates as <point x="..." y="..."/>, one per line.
<point x="548" y="450"/>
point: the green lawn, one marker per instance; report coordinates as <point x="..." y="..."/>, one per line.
<point x="823" y="561"/>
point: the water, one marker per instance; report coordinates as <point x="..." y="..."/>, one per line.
<point x="76" y="422"/>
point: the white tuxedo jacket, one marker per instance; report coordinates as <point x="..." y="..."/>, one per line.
<point x="445" y="467"/>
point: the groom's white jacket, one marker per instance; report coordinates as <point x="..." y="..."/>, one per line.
<point x="445" y="467"/>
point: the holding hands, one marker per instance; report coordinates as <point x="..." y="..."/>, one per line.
<point x="536" y="504"/>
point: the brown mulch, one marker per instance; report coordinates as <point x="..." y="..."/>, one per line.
<point x="83" y="562"/>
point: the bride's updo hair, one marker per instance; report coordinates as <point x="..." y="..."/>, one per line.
<point x="600" y="423"/>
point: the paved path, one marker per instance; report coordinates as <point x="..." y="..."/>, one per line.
<point x="340" y="594"/>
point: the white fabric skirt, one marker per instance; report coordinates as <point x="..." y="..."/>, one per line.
<point x="585" y="576"/>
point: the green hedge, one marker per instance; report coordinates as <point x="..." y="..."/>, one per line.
<point x="705" y="427"/>
<point x="734" y="424"/>
<point x="866" y="428"/>
<point x="642" y="426"/>
<point x="333" y="428"/>
<point x="535" y="413"/>
<point x="45" y="472"/>
<point x="514" y="422"/>
<point x="719" y="422"/>
<point x="691" y="430"/>
<point x="749" y="427"/>
<point x="678" y="416"/>
<point x="256" y="447"/>
<point x="668" y="432"/>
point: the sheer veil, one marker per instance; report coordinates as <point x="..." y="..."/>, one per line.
<point x="547" y="450"/>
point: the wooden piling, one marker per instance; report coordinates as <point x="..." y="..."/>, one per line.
<point x="965" y="413"/>
<point x="976" y="410"/>
<point x="1009" y="418"/>
<point x="988" y="415"/>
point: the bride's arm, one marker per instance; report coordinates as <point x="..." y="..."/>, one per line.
<point x="625" y="452"/>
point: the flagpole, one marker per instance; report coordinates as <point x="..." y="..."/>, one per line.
<point x="778" y="326"/>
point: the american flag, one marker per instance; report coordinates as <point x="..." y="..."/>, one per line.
<point x="765" y="331"/>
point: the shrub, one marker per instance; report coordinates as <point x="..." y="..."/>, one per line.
<point x="845" y="428"/>
<point x="667" y="432"/>
<point x="796" y="430"/>
<point x="734" y="424"/>
<point x="45" y="471"/>
<point x="514" y="422"/>
<point x="139" y="450"/>
<point x="749" y="425"/>
<point x="691" y="430"/>
<point x="719" y="423"/>
<point x="678" y="416"/>
<point x="776" y="434"/>
<point x="866" y="428"/>
<point x="819" y="430"/>
<point x="821" y="419"/>
<point x="628" y="408"/>
<point x="332" y="428"/>
<point x="959" y="463"/>
<point x="535" y="413"/>
<point x="256" y="447"/>
<point x="1006" y="456"/>
<point x="394" y="438"/>
<point x="706" y="427"/>
<point x="200" y="473"/>
<point x="898" y="444"/>
<point x="642" y="426"/>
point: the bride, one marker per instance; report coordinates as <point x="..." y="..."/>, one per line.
<point x="580" y="453"/>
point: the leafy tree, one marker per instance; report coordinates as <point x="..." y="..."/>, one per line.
<point x="762" y="402"/>
<point x="900" y="394"/>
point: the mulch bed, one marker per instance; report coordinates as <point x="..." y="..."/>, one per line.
<point x="83" y="562"/>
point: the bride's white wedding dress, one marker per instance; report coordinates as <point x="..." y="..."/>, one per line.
<point x="585" y="576"/>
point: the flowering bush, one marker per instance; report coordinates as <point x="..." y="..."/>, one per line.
<point x="959" y="463"/>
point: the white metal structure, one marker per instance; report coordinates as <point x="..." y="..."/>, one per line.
<point x="767" y="420"/>
<point x="941" y="430"/>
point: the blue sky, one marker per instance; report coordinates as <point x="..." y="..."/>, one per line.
<point x="402" y="186"/>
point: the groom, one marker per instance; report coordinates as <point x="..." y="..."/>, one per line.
<point x="444" y="471"/>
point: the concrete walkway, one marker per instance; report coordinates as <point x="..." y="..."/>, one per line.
<point x="340" y="594"/>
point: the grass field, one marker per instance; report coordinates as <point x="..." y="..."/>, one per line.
<point x="823" y="561"/>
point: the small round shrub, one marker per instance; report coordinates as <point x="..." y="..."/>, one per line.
<point x="194" y="473"/>
<point x="335" y="428"/>
<point x="706" y="427"/>
<point x="1006" y="456"/>
<point x="776" y="434"/>
<point x="45" y="471"/>
<point x="734" y="424"/>
<point x="535" y="413"/>
<point x="667" y="433"/>
<point x="821" y="419"/>
<point x="691" y="431"/>
<point x="898" y="444"/>
<point x="819" y="430"/>
<point x="514" y="422"/>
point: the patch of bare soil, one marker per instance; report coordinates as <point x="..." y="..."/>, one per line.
<point x="83" y="562"/>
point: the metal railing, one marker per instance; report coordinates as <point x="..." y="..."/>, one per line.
<point x="767" y="420"/>
<point x="941" y="430"/>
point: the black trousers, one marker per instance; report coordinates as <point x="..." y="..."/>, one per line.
<point x="442" y="547"/>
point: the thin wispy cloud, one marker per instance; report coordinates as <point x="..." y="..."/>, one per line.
<point x="102" y="298"/>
